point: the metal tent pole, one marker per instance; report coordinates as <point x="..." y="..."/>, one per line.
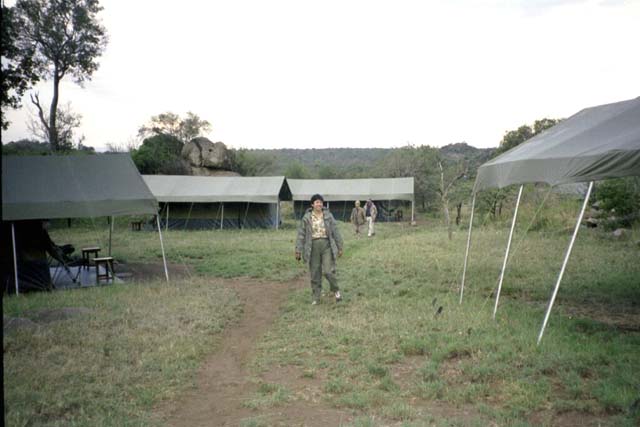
<point x="15" y="259"/>
<point x="110" y="233"/>
<point x="222" y="218"/>
<point x="506" y="254"/>
<point x="277" y="214"/>
<point x="564" y="263"/>
<point x="166" y="226"/>
<point x="466" y="254"/>
<point x="164" y="258"/>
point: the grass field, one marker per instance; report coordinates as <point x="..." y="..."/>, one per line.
<point x="398" y="350"/>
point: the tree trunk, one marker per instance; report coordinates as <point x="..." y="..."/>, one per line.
<point x="447" y="218"/>
<point x="53" y="131"/>
<point x="458" y="213"/>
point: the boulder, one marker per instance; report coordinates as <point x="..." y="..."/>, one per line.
<point x="202" y="153"/>
<point x="621" y="233"/>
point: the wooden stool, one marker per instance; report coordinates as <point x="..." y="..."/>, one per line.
<point x="136" y="225"/>
<point x="86" y="252"/>
<point x="107" y="262"/>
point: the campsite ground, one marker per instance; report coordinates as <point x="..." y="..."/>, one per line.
<point x="233" y="339"/>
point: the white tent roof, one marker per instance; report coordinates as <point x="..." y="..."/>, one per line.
<point x="210" y="189"/>
<point x="353" y="189"/>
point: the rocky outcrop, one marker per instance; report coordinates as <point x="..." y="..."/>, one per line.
<point x="207" y="158"/>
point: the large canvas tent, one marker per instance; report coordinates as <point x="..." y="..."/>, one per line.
<point x="340" y="194"/>
<point x="198" y="202"/>
<point x="594" y="144"/>
<point x="48" y="187"/>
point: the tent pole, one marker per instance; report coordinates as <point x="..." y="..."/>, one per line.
<point x="277" y="214"/>
<point x="164" y="258"/>
<point x="506" y="254"/>
<point x="466" y="254"/>
<point x="15" y="259"/>
<point x="110" y="233"/>
<point x="564" y="263"/>
<point x="166" y="226"/>
<point x="222" y="217"/>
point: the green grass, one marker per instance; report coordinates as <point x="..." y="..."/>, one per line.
<point x="383" y="353"/>
<point x="139" y="344"/>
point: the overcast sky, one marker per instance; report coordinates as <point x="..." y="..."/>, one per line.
<point x="346" y="73"/>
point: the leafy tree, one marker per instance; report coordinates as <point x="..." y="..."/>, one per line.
<point x="64" y="38"/>
<point x="621" y="197"/>
<point x="419" y="162"/>
<point x="18" y="73"/>
<point x="327" y="172"/>
<point x="172" y="124"/>
<point x="159" y="154"/>
<point x="516" y="137"/>
<point x="250" y="163"/>
<point x="296" y="170"/>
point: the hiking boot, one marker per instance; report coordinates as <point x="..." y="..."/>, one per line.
<point x="338" y="296"/>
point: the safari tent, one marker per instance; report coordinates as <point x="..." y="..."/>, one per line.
<point x="210" y="202"/>
<point x="391" y="195"/>
<point x="36" y="188"/>
<point x="594" y="144"/>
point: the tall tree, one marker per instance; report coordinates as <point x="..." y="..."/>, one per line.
<point x="172" y="124"/>
<point x="18" y="74"/>
<point x="66" y="39"/>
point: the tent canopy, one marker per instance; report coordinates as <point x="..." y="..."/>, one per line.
<point x="209" y="189"/>
<point x="596" y="143"/>
<point x="353" y="189"/>
<point x="39" y="187"/>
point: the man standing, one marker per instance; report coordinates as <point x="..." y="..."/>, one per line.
<point x="319" y="243"/>
<point x="371" y="212"/>
<point x="357" y="217"/>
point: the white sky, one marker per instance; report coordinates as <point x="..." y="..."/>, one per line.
<point x="347" y="73"/>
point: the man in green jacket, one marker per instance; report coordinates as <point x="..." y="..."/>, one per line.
<point x="319" y="244"/>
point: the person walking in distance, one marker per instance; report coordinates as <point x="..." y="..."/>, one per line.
<point x="357" y="217"/>
<point x="319" y="244"/>
<point x="371" y="212"/>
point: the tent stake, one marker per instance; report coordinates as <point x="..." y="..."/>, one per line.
<point x="466" y="254"/>
<point x="564" y="263"/>
<point x="164" y="258"/>
<point x="15" y="259"/>
<point x="506" y="254"/>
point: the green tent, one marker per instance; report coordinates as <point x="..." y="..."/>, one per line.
<point x="341" y="194"/>
<point x="596" y="143"/>
<point x="205" y="202"/>
<point x="47" y="187"/>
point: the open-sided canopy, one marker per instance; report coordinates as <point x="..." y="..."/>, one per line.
<point x="210" y="189"/>
<point x="39" y="187"/>
<point x="353" y="189"/>
<point x="596" y="143"/>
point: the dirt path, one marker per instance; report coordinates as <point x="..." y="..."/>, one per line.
<point x="224" y="381"/>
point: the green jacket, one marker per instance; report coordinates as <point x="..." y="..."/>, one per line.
<point x="303" y="242"/>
